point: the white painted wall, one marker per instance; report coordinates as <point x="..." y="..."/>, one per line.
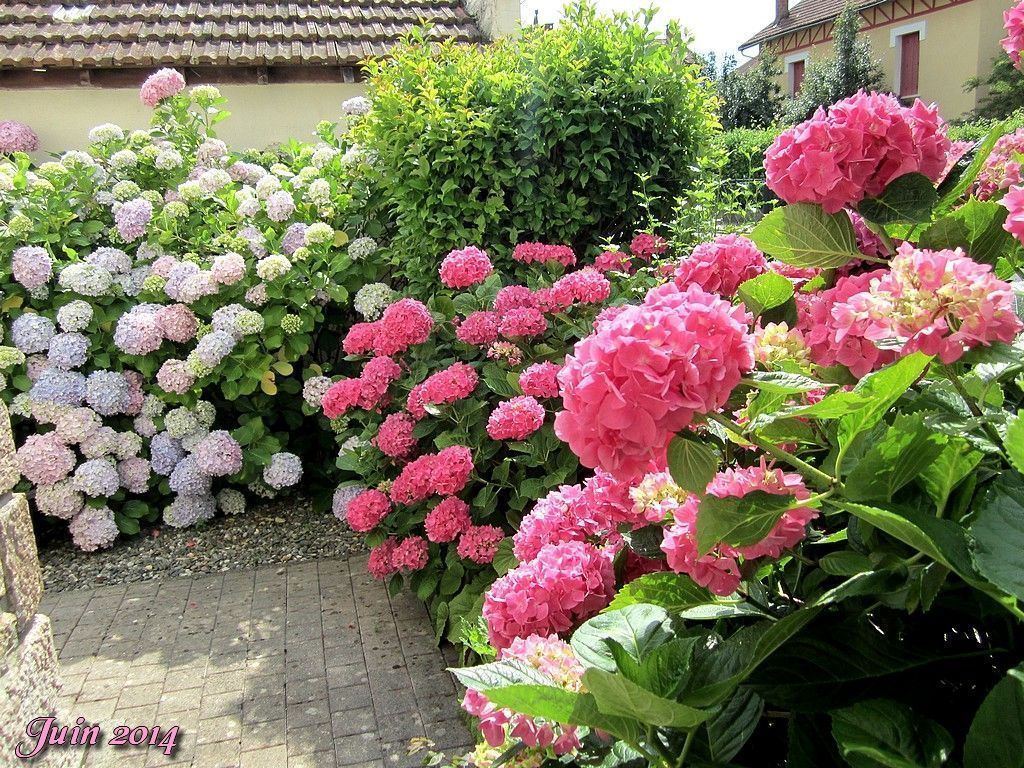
<point x="260" y="114"/>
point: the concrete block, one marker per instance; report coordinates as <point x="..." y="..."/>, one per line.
<point x="19" y="560"/>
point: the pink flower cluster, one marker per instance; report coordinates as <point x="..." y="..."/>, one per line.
<point x="160" y="85"/>
<point x="466" y="267"/>
<point x="855" y="149"/>
<point x="1013" y="201"/>
<point x="17" y="137"/>
<point x="719" y="569"/>
<point x="1013" y="43"/>
<point x="540" y="380"/>
<point x="447" y="520"/>
<point x="646" y="246"/>
<point x="564" y="585"/>
<point x="444" y="473"/>
<point x="404" y="324"/>
<point x="1002" y="169"/>
<point x="553" y="658"/>
<point x="368" y="391"/>
<point x="395" y="436"/>
<point x="479" y="543"/>
<point x="722" y="265"/>
<point x="644" y="375"/>
<point x="522" y="322"/>
<point x="367" y="510"/>
<point x="539" y="253"/>
<point x="937" y="302"/>
<point x="478" y="329"/>
<point x="515" y="419"/>
<point x="444" y="387"/>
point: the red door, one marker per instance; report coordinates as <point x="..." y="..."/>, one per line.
<point x="798" y="75"/>
<point x="910" y="59"/>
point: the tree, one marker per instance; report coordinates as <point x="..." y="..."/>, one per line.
<point x="751" y="99"/>
<point x="851" y="67"/>
<point x="1005" y="89"/>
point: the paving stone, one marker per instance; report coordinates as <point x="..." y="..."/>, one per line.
<point x="268" y="757"/>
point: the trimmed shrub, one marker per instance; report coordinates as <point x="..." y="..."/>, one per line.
<point x="546" y="137"/>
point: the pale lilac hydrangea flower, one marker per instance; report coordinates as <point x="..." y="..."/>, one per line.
<point x="280" y="206"/>
<point x="44" y="459"/>
<point x="219" y="454"/>
<point x="134" y="473"/>
<point x="175" y="377"/>
<point x="97" y="477"/>
<point x="294" y="238"/>
<point x="144" y="426"/>
<point x="257" y="294"/>
<point x="165" y="452"/>
<point x="108" y="392"/>
<point x="284" y="469"/>
<point x="93" y="528"/>
<point x="68" y="350"/>
<point x="114" y="260"/>
<point x="57" y="386"/>
<point x="17" y="137"/>
<point x="188" y="479"/>
<point x="188" y="510"/>
<point x="74" y="316"/>
<point x="85" y="279"/>
<point x="76" y="425"/>
<point x="214" y="347"/>
<point x="32" y="266"/>
<point x="231" y="502"/>
<point x="132" y="218"/>
<point x="228" y="268"/>
<point x="31" y="333"/>
<point x="314" y="389"/>
<point x="59" y="500"/>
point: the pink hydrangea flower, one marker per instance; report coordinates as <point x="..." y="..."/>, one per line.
<point x="718" y="570"/>
<point x="479" y="543"/>
<point x="341" y="397"/>
<point x="218" y="454"/>
<point x="32" y="266"/>
<point x="646" y="246"/>
<point x="447" y="520"/>
<point x="722" y="265"/>
<point x="515" y="419"/>
<point x="177" y="322"/>
<point x="451" y="470"/>
<point x="831" y="342"/>
<point x="411" y="554"/>
<point x="380" y="563"/>
<point x="522" y="322"/>
<point x="160" y="85"/>
<point x="360" y="338"/>
<point x="1013" y="43"/>
<point x="395" y="438"/>
<point x="854" y="149"/>
<point x="563" y="586"/>
<point x="17" y="137"/>
<point x="132" y="218"/>
<point x="539" y="253"/>
<point x="228" y="268"/>
<point x="586" y="286"/>
<point x="553" y="520"/>
<point x="937" y="302"/>
<point x="478" y="329"/>
<point x="1013" y="201"/>
<point x="444" y="387"/>
<point x="1002" y="169"/>
<point x="514" y="297"/>
<point x="643" y="376"/>
<point x="377" y="375"/>
<point x="466" y="267"/>
<point x="540" y="380"/>
<point x="416" y="480"/>
<point x="175" y="377"/>
<point x="614" y="261"/>
<point x="367" y="510"/>
<point x="404" y="324"/>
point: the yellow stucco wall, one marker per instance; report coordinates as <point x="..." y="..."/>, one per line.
<point x="260" y="114"/>
<point x="959" y="43"/>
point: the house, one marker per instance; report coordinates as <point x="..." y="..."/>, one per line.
<point x="283" y="65"/>
<point x="928" y="48"/>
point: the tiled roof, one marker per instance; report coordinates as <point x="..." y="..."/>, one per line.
<point x="807" y="13"/>
<point x="144" y="33"/>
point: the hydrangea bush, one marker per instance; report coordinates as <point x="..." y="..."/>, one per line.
<point x="801" y="542"/>
<point x="449" y="424"/>
<point x="160" y="297"/>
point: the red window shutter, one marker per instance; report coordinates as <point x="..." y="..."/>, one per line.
<point x="910" y="61"/>
<point x="798" y="76"/>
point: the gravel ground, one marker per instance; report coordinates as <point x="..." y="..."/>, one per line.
<point x="282" y="531"/>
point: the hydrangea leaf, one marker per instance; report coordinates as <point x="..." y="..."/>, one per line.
<point x="738" y="522"/>
<point x="977" y="227"/>
<point x="909" y="198"/>
<point x="1014" y="442"/>
<point x="637" y="628"/>
<point x="691" y="462"/>
<point x="562" y="706"/>
<point x="996" y="737"/>
<point x="618" y="696"/>
<point x="948" y="470"/>
<point x="734" y="724"/>
<point x="765" y="292"/>
<point x="679" y="594"/>
<point x="804" y="235"/>
<point x="998" y="532"/>
<point x="884" y="734"/>
<point x="907" y="448"/>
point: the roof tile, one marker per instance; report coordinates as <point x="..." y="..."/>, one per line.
<point x="807" y="13"/>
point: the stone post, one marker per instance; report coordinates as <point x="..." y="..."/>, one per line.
<point x="29" y="675"/>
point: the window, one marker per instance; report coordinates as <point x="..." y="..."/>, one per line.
<point x="796" y="66"/>
<point x="907" y="42"/>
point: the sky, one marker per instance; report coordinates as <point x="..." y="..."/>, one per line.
<point x="717" y="25"/>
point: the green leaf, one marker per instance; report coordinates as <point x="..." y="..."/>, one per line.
<point x="977" y="227"/>
<point x="884" y="734"/>
<point x="909" y="198"/>
<point x="679" y="594"/>
<point x="783" y="383"/>
<point x="998" y="532"/>
<point x="617" y="696"/>
<point x="948" y="470"/>
<point x="953" y="196"/>
<point x="907" y="448"/>
<point x="561" y="706"/>
<point x="943" y="541"/>
<point x="637" y="628"/>
<point x="504" y="560"/>
<point x="499" y="674"/>
<point x="691" y="462"/>
<point x="765" y="292"/>
<point x="882" y="389"/>
<point x="734" y="724"/>
<point x="738" y="521"/>
<point x="845" y="563"/>
<point x="996" y="737"/>
<point x="805" y="236"/>
<point x="1014" y="442"/>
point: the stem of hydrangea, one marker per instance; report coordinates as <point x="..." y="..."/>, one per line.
<point x="774" y="451"/>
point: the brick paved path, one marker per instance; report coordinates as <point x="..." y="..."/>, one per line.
<point x="306" y="666"/>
